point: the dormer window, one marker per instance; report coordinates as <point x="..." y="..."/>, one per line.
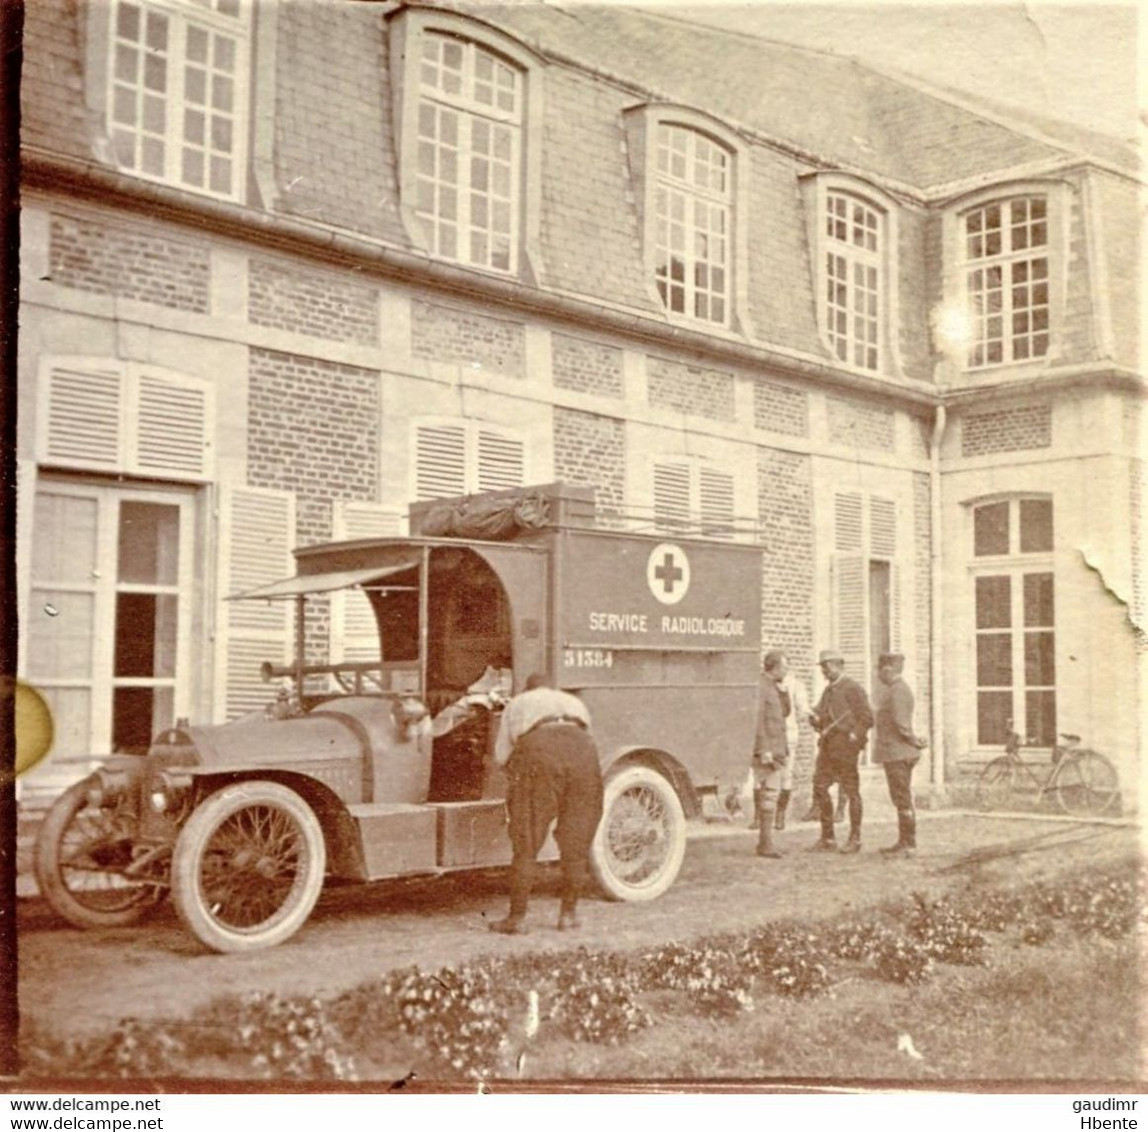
<point x="854" y="306"/>
<point x="692" y="224"/>
<point x="469" y="152"/>
<point x="465" y="98"/>
<point x="1006" y="254"/>
<point x="177" y="91"/>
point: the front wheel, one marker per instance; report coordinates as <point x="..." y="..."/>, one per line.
<point x="641" y="839"/>
<point x="1086" y="783"/>
<point x="248" y="866"/>
<point x="995" y="785"/>
<point x="82" y="852"/>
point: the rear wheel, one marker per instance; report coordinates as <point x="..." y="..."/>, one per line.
<point x="995" y="785"/>
<point x="81" y="854"/>
<point x="1086" y="783"/>
<point x="641" y="839"/>
<point x="248" y="866"/>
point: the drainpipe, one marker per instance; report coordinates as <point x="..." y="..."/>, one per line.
<point x="936" y="628"/>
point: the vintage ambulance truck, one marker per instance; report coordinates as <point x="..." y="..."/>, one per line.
<point x="383" y="768"/>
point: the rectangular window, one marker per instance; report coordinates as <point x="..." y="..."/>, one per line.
<point x="469" y="152"/>
<point x="454" y="458"/>
<point x="177" y="107"/>
<point x="853" y="280"/>
<point x="1015" y="622"/>
<point x="1007" y="280"/>
<point x="693" y="498"/>
<point x="692" y="204"/>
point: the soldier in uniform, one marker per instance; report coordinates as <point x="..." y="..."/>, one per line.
<point x="843" y="719"/>
<point x="770" y="748"/>
<point x="897" y="748"/>
<point x="553" y="773"/>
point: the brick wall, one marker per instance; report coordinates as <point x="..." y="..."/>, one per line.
<point x="586" y="366"/>
<point x="132" y="263"/>
<point x="923" y="604"/>
<point x="313" y="429"/>
<point x="449" y="335"/>
<point x="920" y="436"/>
<point x="591" y="449"/>
<point x="859" y="424"/>
<point x="310" y="302"/>
<point x="690" y="389"/>
<point x="1007" y="430"/>
<point x="785" y="513"/>
<point x="780" y="408"/>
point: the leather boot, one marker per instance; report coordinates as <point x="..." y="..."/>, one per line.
<point x="853" y="845"/>
<point x="907" y="836"/>
<point x="568" y="917"/>
<point x="839" y="816"/>
<point x="765" y="834"/>
<point x="811" y="814"/>
<point x="782" y="804"/>
<point x="755" y="820"/>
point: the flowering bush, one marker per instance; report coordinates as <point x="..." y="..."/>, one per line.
<point x="1036" y="932"/>
<point x="136" y="1049"/>
<point x="945" y="933"/>
<point x="453" y="1014"/>
<point x="858" y="940"/>
<point x="709" y="972"/>
<point x="799" y="970"/>
<point x="606" y="1013"/>
<point x="290" y="1037"/>
<point x="902" y="960"/>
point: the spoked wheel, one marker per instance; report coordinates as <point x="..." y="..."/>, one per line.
<point x="995" y="785"/>
<point x="1086" y="783"/>
<point x="81" y="854"/>
<point x="248" y="866"/>
<point x="641" y="839"/>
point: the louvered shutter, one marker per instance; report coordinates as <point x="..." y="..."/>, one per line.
<point x="716" y="497"/>
<point x="256" y="533"/>
<point x="671" y="496"/>
<point x="81" y="418"/>
<point x="501" y="461"/>
<point x="172" y="428"/>
<point x="849" y="583"/>
<point x="896" y="636"/>
<point x="847" y="520"/>
<point x="354" y="631"/>
<point x="440" y="461"/>
<point x="882" y="528"/>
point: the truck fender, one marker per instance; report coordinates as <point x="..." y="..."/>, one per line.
<point x="665" y="764"/>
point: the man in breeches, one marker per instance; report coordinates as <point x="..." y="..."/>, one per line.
<point x="843" y="718"/>
<point x="770" y="748"/>
<point x="897" y="748"/>
<point x="553" y="774"/>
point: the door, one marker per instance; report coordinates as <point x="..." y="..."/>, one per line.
<point x="109" y="616"/>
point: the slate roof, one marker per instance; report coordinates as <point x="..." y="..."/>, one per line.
<point x="832" y="106"/>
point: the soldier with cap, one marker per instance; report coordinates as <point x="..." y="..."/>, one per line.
<point x="770" y="748"/>
<point x="897" y="748"/>
<point x="843" y="719"/>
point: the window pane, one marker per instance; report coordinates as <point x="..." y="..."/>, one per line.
<point x="59" y="626"/>
<point x="1039" y="660"/>
<point x="1035" y="525"/>
<point x="994" y="660"/>
<point x="148" y="543"/>
<point x="145" y="634"/>
<point x="990" y="529"/>
<point x="64" y="539"/>
<point x="994" y="602"/>
<point x="994" y="715"/>
<point x="1040" y="716"/>
<point x="1038" y="607"/>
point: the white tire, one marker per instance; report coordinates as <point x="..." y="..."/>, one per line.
<point x="248" y="866"/>
<point x="641" y="839"/>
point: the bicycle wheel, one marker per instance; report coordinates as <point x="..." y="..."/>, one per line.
<point x="1086" y="783"/>
<point x="995" y="785"/>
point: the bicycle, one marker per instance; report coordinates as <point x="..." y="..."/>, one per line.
<point x="1081" y="780"/>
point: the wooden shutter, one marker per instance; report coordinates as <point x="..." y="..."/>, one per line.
<point x="172" y="421"/>
<point x="440" y="461"/>
<point x="256" y="534"/>
<point x="850" y="583"/>
<point x="501" y="460"/>
<point x="882" y="528"/>
<point x="671" y="496"/>
<point x="716" y="497"/>
<point x="81" y="418"/>
<point x="847" y="520"/>
<point x="896" y="634"/>
<point x="354" y="631"/>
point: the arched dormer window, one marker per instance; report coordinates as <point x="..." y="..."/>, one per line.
<point x="689" y="172"/>
<point x="853" y="238"/>
<point x="467" y="112"/>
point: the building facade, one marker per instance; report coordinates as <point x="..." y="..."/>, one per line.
<point x="269" y="300"/>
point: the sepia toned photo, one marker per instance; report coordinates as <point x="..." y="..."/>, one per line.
<point x="571" y="546"/>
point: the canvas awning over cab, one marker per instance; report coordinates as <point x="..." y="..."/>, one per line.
<point x="325" y="583"/>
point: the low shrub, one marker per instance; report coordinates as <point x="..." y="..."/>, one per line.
<point x="902" y="960"/>
<point x="945" y="932"/>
